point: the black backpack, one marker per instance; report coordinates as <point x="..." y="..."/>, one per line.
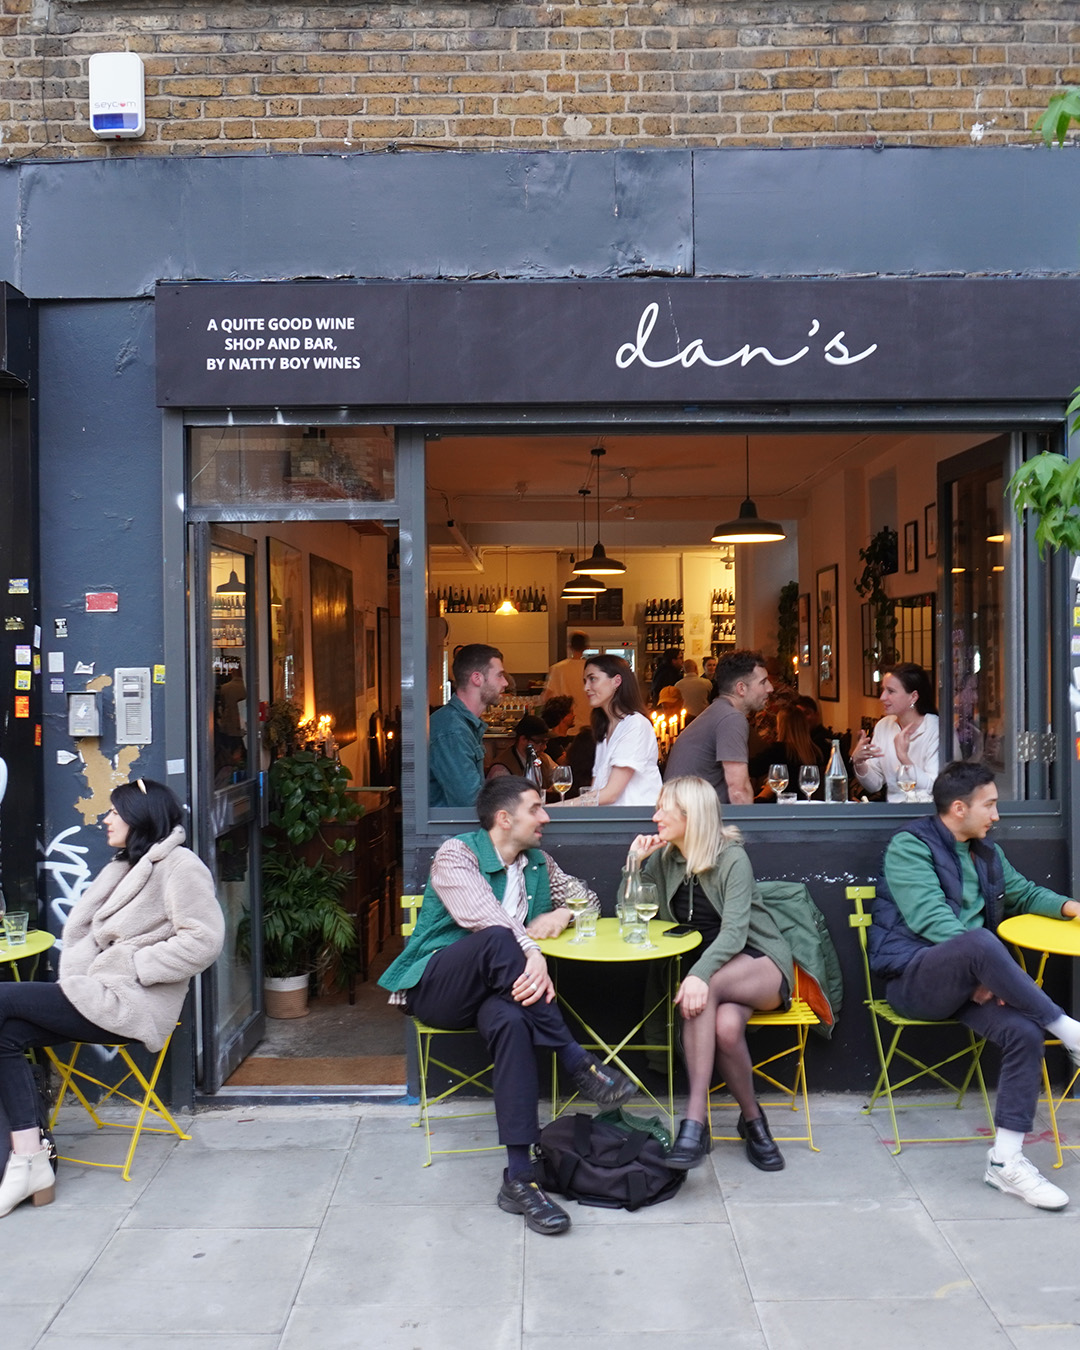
<point x="594" y="1162"/>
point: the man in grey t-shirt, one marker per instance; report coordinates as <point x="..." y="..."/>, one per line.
<point x="713" y="746"/>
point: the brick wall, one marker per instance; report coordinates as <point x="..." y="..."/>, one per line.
<point x="319" y="77"/>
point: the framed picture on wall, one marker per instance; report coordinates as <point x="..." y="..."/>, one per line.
<point x="911" y="546"/>
<point x="804" y="631"/>
<point x="828" y="634"/>
<point x="286" y="621"/>
<point x="334" y="679"/>
<point x="930" y="530"/>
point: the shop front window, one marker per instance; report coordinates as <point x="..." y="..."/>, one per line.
<point x="248" y="465"/>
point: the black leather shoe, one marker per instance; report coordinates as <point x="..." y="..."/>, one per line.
<point x="760" y="1146"/>
<point x="690" y="1147"/>
<point x="601" y="1083"/>
<point x="542" y="1214"/>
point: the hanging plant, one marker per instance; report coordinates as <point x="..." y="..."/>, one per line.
<point x="1048" y="486"/>
<point x="787" y="628"/>
<point x="880" y="559"/>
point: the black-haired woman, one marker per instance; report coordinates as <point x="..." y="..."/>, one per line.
<point x="625" y="768"/>
<point x="147" y="923"/>
<point x="905" y="738"/>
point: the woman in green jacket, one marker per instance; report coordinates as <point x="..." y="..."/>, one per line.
<point x="743" y="965"/>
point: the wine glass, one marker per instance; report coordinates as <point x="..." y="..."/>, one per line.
<point x="562" y="779"/>
<point x="905" y="781"/>
<point x="646" y="907"/>
<point x="778" y="778"/>
<point x="809" y="780"/>
<point x="577" y="900"/>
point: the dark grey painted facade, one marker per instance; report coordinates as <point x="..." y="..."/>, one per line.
<point x="90" y="240"/>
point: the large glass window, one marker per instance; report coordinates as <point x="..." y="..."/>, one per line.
<point x="253" y="465"/>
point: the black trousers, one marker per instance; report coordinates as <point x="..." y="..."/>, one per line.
<point x="34" y="1014"/>
<point x="468" y="985"/>
<point x="939" y="983"/>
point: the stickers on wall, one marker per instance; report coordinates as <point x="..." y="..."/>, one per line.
<point x="65" y="757"/>
<point x="60" y="628"/>
<point x="22" y="705"/>
<point x="22" y="654"/>
<point x="13" y="624"/>
<point x="56" y="663"/>
<point x="102" y="602"/>
<point x="159" y="674"/>
<point x="37" y="734"/>
<point x="36" y="663"/>
<point x="56" y="684"/>
<point x="22" y="679"/>
<point x="18" y="586"/>
<point x="84" y="667"/>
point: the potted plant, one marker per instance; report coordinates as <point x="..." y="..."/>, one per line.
<point x="305" y="928"/>
<point x="310" y="803"/>
<point x="1048" y="485"/>
<point x="880" y="559"/>
<point x="787" y="631"/>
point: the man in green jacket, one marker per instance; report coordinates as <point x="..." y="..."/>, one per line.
<point x="473" y="961"/>
<point x="933" y="939"/>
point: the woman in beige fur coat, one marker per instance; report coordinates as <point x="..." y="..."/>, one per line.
<point x="147" y="923"/>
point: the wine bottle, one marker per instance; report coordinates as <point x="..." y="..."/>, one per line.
<point x="836" y="779"/>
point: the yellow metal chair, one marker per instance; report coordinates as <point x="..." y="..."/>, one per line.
<point x="883" y="1014"/>
<point x="148" y="1102"/>
<point x="426" y="1061"/>
<point x="800" y="1017"/>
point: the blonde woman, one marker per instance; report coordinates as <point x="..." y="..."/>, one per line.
<point x="743" y="965"/>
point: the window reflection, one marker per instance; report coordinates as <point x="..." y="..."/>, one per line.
<point x="233" y="465"/>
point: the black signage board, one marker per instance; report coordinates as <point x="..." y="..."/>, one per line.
<point x="297" y="344"/>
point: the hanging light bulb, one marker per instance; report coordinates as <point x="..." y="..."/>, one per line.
<point x="749" y="528"/>
<point x="507" y="606"/>
<point x="598" y="564"/>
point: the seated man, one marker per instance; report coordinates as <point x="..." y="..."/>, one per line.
<point x="473" y="961"/>
<point x="514" y="760"/>
<point x="933" y="939"/>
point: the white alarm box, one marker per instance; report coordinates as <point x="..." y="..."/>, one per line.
<point x="117" y="95"/>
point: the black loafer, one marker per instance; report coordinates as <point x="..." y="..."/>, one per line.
<point x="690" y="1147"/>
<point x="602" y="1084"/>
<point x="760" y="1146"/>
<point x="542" y="1214"/>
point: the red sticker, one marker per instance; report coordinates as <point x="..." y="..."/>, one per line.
<point x="37" y="734"/>
<point x="22" y="705"/>
<point x="102" y="602"/>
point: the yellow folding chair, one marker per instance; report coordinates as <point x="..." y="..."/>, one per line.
<point x="148" y="1102"/>
<point x="800" y="1017"/>
<point x="883" y="1014"/>
<point x="460" y="1079"/>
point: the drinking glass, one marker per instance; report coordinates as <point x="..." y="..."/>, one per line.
<point x="15" y="922"/>
<point x="577" y="901"/>
<point x="562" y="779"/>
<point x="646" y="907"/>
<point x="809" y="780"/>
<point x="586" y="923"/>
<point x="778" y="778"/>
<point x="905" y="781"/>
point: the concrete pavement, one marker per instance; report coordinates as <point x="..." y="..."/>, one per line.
<point x="316" y="1227"/>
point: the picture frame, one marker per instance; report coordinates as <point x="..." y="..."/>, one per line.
<point x="911" y="546"/>
<point x="285" y="607"/>
<point x="804" y="631"/>
<point x="332" y="630"/>
<point x="828" y="634"/>
<point x="930" y="530"/>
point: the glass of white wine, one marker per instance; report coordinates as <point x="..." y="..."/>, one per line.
<point x="809" y="780"/>
<point x="778" y="778"/>
<point x="577" y="901"/>
<point x="562" y="780"/>
<point x="646" y="907"/>
<point x="906" y="780"/>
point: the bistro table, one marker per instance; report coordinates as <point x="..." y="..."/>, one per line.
<point x="608" y="948"/>
<point x="1049" y="937"/>
<point x="36" y="942"/>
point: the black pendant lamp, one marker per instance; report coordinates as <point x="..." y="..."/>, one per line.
<point x="598" y="564"/>
<point x="749" y="528"/>
<point x="576" y="586"/>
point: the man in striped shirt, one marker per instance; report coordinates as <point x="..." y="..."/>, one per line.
<point x="473" y="960"/>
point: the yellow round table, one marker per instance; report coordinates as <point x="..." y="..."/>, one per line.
<point x="36" y="942"/>
<point x="609" y="948"/>
<point x="1049" y="937"/>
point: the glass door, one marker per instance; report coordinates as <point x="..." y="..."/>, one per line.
<point x="229" y="789"/>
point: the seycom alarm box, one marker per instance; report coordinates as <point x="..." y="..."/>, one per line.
<point x="117" y="95"/>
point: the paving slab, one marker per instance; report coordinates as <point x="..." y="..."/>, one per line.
<point x="814" y="1250"/>
<point x="150" y="1340"/>
<point x="415" y="1256"/>
<point x="25" y="1323"/>
<point x="186" y="1280"/>
<point x="390" y="1326"/>
<point x="386" y="1167"/>
<point x="261" y="1188"/>
<point x="49" y="1245"/>
<point x="637" y="1279"/>
<point x="261" y="1127"/>
<point x="1027" y="1274"/>
<point x="1047" y="1336"/>
<point x="948" y="1179"/>
<point x="956" y="1317"/>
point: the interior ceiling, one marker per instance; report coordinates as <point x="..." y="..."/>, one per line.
<point x="476" y="480"/>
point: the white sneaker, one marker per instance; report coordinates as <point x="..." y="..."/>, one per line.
<point x="1019" y="1176"/>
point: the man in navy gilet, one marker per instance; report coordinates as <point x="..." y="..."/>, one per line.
<point x="945" y="890"/>
<point x="473" y="961"/>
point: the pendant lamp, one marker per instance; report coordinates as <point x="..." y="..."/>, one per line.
<point x="598" y="564"/>
<point x="749" y="528"/>
<point x="507" y="606"/>
<point x="582" y="585"/>
<point x="234" y="586"/>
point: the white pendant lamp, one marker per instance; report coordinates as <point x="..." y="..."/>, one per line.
<point x="749" y="528"/>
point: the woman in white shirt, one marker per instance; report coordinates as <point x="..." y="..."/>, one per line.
<point x="906" y="735"/>
<point x="625" y="769"/>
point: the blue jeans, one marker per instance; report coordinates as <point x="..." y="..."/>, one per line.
<point x="939" y="983"/>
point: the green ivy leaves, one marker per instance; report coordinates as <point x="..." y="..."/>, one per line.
<point x="1048" y="485"/>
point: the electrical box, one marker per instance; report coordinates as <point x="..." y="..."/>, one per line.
<point x="84" y="713"/>
<point x="132" y="692"/>
<point x="117" y="95"/>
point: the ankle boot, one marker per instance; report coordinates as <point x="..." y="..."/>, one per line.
<point x="760" y="1147"/>
<point x="27" y="1176"/>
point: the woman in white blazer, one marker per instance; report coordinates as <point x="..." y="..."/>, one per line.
<point x="147" y="923"/>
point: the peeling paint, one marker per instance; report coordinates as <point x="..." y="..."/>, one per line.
<point x="101" y="775"/>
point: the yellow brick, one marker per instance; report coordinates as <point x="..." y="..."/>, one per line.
<point x="272" y="128"/>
